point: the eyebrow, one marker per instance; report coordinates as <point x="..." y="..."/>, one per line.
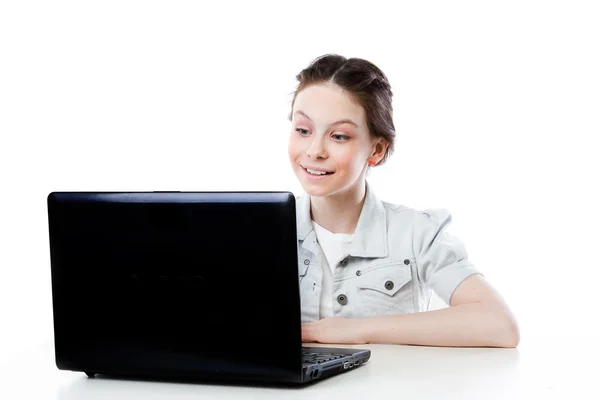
<point x="341" y="121"/>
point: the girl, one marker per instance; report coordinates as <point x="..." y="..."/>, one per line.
<point x="367" y="268"/>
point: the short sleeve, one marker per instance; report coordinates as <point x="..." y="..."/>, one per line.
<point x="442" y="260"/>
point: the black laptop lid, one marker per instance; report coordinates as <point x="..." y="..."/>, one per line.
<point x="181" y="284"/>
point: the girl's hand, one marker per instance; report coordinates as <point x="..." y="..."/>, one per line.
<point x="335" y="330"/>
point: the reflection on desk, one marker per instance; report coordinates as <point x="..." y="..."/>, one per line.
<point x="545" y="370"/>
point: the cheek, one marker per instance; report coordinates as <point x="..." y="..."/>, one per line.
<point x="348" y="161"/>
<point x="294" y="147"/>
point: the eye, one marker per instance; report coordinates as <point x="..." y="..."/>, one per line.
<point x="340" y="138"/>
<point x="302" y="131"/>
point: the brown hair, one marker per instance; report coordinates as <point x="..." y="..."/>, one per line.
<point x="365" y="82"/>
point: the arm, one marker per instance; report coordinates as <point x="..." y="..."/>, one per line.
<point x="477" y="317"/>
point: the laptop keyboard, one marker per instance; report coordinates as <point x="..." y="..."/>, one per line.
<point x="309" y="356"/>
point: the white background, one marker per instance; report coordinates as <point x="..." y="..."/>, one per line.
<point x="496" y="111"/>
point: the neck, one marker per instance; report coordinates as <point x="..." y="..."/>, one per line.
<point x="339" y="212"/>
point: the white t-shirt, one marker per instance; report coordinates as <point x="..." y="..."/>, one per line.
<point x="332" y="245"/>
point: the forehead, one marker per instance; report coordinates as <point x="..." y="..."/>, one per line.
<point x="326" y="103"/>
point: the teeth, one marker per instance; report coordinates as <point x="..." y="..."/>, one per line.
<point x="316" y="172"/>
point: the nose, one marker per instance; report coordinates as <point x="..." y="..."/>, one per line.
<point x="316" y="149"/>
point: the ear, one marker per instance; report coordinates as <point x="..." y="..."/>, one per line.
<point x="380" y="146"/>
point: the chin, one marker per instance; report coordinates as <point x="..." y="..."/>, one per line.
<point x="319" y="190"/>
<point x="316" y="192"/>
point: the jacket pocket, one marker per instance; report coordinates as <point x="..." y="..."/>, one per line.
<point x="386" y="290"/>
<point x="303" y="264"/>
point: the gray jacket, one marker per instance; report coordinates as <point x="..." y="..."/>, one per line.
<point x="397" y="258"/>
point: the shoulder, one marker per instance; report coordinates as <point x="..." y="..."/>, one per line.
<point x="424" y="218"/>
<point x="421" y="226"/>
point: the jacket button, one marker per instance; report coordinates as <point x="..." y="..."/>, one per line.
<point x="306" y="262"/>
<point x="342" y="299"/>
<point x="407" y="261"/>
<point x="358" y="273"/>
<point x="389" y="285"/>
<point x="344" y="261"/>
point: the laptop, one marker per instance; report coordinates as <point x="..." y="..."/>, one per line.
<point x="184" y="285"/>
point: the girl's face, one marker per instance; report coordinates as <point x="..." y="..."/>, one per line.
<point x="329" y="133"/>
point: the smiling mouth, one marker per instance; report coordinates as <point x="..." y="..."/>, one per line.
<point x="320" y="173"/>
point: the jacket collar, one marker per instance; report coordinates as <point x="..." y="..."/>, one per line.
<point x="370" y="238"/>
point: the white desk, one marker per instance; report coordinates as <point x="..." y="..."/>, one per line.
<point x="558" y="367"/>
